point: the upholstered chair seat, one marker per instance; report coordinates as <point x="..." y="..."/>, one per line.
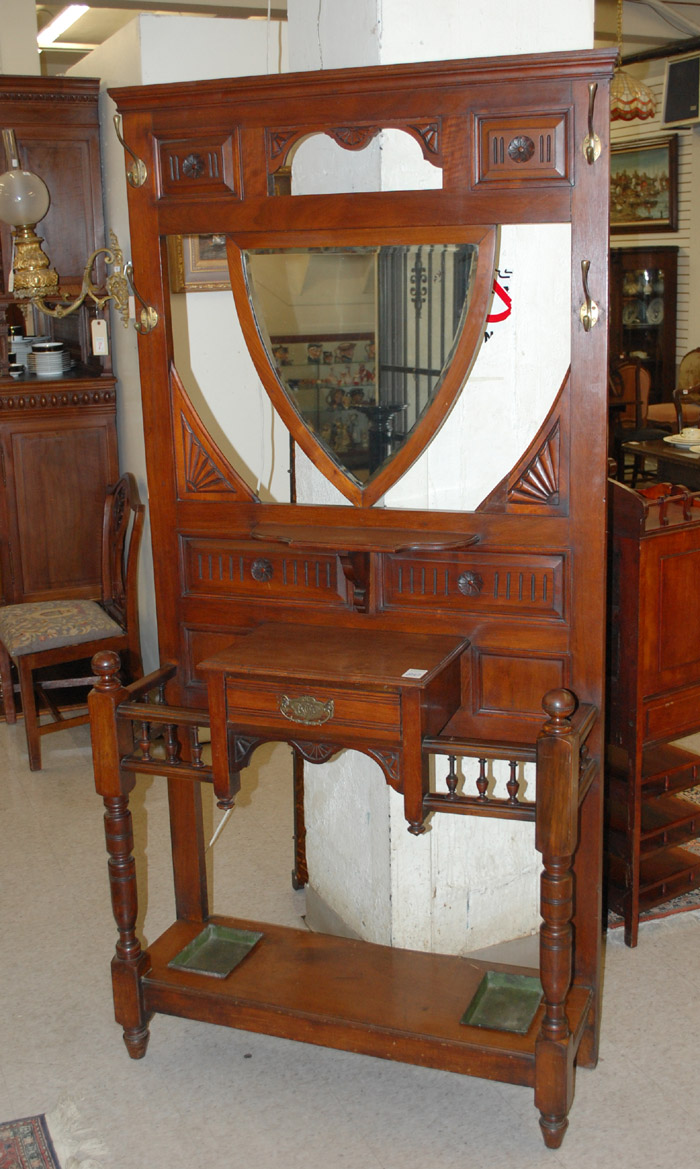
<point x="40" y="634"/>
<point x="41" y="625"/>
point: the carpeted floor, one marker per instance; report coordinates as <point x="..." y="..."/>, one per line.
<point x="26" y="1144"/>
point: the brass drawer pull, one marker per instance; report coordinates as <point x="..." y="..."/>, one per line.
<point x="307" y="710"/>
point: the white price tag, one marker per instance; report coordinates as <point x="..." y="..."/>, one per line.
<point x="414" y="673"/>
<point x="100" y="345"/>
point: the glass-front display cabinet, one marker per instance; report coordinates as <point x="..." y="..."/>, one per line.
<point x="643" y="312"/>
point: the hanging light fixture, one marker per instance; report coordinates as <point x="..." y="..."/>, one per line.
<point x="630" y="99"/>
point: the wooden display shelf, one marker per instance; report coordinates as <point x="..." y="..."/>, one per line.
<point x="351" y="995"/>
<point x="667" y="819"/>
<point x="667" y="760"/>
<point x="667" y="874"/>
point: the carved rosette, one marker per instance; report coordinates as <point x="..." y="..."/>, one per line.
<point x="539" y="483"/>
<point x="521" y="148"/>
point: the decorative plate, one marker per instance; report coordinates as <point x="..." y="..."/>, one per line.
<point x="655" y="311"/>
<point x="633" y="313"/>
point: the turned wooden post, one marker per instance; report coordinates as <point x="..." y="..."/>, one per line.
<point x="555" y="838"/>
<point x="109" y="743"/>
<point x="300" y="872"/>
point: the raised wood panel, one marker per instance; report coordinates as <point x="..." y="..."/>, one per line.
<point x="55" y="121"/>
<point x="192" y="167"/>
<point x="518" y="150"/>
<point x="69" y="235"/>
<point x="58" y="477"/>
<point x="509" y="684"/>
<point x="679" y="640"/>
<point x="669" y="648"/>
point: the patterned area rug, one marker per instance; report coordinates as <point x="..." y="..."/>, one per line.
<point x="26" y="1144"/>
<point x="57" y="1140"/>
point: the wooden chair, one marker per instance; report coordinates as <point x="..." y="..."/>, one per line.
<point x="629" y="384"/>
<point x="668" y="413"/>
<point x="687" y="405"/>
<point x="43" y="633"/>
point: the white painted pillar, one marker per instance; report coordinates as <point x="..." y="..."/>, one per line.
<point x="468" y="882"/>
<point x="18" y="48"/>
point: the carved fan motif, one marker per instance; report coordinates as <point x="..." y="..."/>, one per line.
<point x="315" y="752"/>
<point x="200" y="472"/>
<point x="354" y="137"/>
<point x="540" y="481"/>
<point x="429" y="136"/>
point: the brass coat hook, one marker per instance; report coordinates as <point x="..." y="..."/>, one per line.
<point x="148" y="317"/>
<point x="591" y="143"/>
<point x="138" y="171"/>
<point x="589" y="311"/>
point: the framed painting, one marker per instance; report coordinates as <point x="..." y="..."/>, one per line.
<point x="198" y="263"/>
<point x="644" y="185"/>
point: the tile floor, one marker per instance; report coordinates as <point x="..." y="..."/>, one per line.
<point x="210" y="1098"/>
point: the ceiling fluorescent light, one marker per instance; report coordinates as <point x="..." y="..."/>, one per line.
<point x="66" y="17"/>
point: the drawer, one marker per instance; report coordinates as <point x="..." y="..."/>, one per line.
<point x="314" y="711"/>
<point x="476" y="582"/>
<point x="672" y="714"/>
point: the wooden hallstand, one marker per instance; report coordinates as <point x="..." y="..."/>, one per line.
<point x="398" y="633"/>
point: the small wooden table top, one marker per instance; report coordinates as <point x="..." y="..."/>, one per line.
<point x="675" y="463"/>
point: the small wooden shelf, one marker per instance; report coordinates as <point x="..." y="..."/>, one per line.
<point x="360" y="538"/>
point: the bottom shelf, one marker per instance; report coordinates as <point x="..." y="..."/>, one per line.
<point x="356" y="996"/>
<point x="662" y="876"/>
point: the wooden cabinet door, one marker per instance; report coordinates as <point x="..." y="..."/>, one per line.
<point x="56" y="473"/>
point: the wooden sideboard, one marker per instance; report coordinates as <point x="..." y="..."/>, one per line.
<point x="400" y="632"/>
<point x="653" y="698"/>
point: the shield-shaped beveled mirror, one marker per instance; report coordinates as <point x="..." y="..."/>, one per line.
<point x="364" y="343"/>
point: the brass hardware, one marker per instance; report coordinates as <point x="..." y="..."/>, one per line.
<point x="591" y="143"/>
<point x="312" y="712"/>
<point x="116" y="285"/>
<point x="589" y="309"/>
<point x="138" y="171"/>
<point x="148" y="317"/>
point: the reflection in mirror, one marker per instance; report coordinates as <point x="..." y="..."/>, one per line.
<point x="360" y="337"/>
<point x="214" y="366"/>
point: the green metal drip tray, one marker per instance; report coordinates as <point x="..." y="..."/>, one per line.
<point x="216" y="951"/>
<point x="504" y="1002"/>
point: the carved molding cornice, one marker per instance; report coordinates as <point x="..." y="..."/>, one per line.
<point x="39" y="400"/>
